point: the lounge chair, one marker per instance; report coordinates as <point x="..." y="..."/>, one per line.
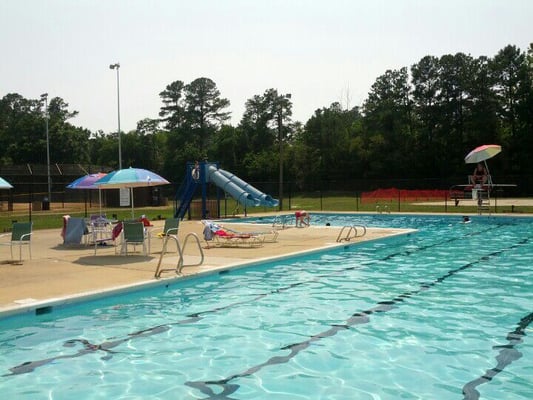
<point x="270" y="236"/>
<point x="20" y="235"/>
<point x="221" y="237"/>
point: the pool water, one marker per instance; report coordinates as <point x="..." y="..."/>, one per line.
<point x="444" y="313"/>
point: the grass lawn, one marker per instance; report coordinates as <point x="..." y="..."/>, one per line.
<point x="53" y="218"/>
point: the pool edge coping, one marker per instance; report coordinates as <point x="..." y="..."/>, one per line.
<point x="35" y="307"/>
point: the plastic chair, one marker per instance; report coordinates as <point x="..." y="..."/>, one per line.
<point x="20" y="235"/>
<point x="133" y="233"/>
<point x="171" y="228"/>
<point x="104" y="236"/>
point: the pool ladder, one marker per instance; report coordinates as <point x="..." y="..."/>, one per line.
<point x="180" y="250"/>
<point x="385" y="209"/>
<point x="483" y="201"/>
<point x="349" y="232"/>
<point x="280" y="221"/>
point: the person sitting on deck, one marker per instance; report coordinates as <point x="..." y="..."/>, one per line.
<point x="479" y="176"/>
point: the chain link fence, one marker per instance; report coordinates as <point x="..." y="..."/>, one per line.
<point x="30" y="186"/>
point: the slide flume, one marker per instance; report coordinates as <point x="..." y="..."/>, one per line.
<point x="241" y="191"/>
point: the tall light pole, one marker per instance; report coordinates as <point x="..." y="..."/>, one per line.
<point x="280" y="140"/>
<point x="117" y="66"/>
<point x="44" y="97"/>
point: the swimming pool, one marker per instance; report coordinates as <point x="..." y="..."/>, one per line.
<point x="430" y="315"/>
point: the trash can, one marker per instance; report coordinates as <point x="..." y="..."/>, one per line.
<point x="45" y="204"/>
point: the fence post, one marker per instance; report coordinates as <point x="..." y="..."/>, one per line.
<point x="399" y="199"/>
<point x="290" y="195"/>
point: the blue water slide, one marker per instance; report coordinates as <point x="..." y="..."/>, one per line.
<point x="235" y="187"/>
<point x="264" y="199"/>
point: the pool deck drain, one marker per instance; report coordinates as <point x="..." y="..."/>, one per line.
<point x="59" y="273"/>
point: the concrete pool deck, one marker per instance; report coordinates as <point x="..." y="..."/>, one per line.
<point x="60" y="273"/>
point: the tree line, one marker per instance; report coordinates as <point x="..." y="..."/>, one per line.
<point x="416" y="122"/>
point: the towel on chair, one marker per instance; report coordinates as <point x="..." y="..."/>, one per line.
<point x="208" y="233"/>
<point x="116" y="231"/>
<point x="75" y="229"/>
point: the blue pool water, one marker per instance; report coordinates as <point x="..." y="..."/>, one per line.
<point x="445" y="313"/>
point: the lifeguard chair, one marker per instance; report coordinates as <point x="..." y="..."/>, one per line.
<point x="480" y="193"/>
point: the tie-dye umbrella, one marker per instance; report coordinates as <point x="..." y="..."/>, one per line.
<point x="87" y="182"/>
<point x="5" y="184"/>
<point x="130" y="178"/>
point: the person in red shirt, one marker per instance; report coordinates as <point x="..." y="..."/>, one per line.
<point x="302" y="218"/>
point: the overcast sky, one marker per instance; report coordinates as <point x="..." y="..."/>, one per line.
<point x="320" y="51"/>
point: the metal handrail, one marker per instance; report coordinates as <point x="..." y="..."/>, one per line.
<point x="482" y="196"/>
<point x="180" y="265"/>
<point x="180" y="261"/>
<point x="280" y="220"/>
<point x="351" y="228"/>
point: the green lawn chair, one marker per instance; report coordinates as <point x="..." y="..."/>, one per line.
<point x="20" y="236"/>
<point x="133" y="233"/>
<point x="171" y="228"/>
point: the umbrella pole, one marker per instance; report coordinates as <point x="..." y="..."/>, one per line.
<point x="100" y="200"/>
<point x="131" y="195"/>
<point x="85" y="196"/>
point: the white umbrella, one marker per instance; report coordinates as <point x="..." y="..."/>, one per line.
<point x="482" y="154"/>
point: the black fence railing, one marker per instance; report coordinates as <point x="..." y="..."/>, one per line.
<point x="34" y="188"/>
